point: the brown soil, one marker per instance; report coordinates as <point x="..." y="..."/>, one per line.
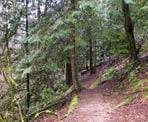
<point x="97" y="105"/>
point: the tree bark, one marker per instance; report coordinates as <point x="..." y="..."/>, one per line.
<point x="39" y="11"/>
<point x="90" y="52"/>
<point x="68" y="73"/>
<point x="46" y="7"/>
<point x="129" y="30"/>
<point x="75" y="82"/>
<point x="94" y="57"/>
<point x="27" y="53"/>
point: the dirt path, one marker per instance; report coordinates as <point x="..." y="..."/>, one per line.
<point x="97" y="105"/>
<point x="93" y="105"/>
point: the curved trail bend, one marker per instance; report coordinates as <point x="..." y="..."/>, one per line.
<point x="93" y="105"/>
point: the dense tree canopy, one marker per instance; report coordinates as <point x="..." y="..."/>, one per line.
<point x="45" y="44"/>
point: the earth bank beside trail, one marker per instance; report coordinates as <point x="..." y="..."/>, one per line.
<point x="98" y="104"/>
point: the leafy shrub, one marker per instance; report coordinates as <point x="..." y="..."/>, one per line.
<point x="48" y="94"/>
<point x="128" y="67"/>
<point x="138" y="84"/>
<point x="110" y="73"/>
<point x="133" y="74"/>
<point x="60" y="88"/>
<point x="132" y="77"/>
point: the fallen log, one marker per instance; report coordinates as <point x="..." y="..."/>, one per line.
<point x="59" y="101"/>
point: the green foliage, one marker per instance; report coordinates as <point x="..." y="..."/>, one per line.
<point x="73" y="104"/>
<point x="132" y="77"/>
<point x="60" y="88"/>
<point x="117" y="40"/>
<point x="136" y="85"/>
<point x="144" y="47"/>
<point x="81" y="43"/>
<point x="87" y="4"/>
<point x="144" y="8"/>
<point x="49" y="43"/>
<point x="109" y="74"/>
<point x="58" y="24"/>
<point x="76" y="13"/>
<point x="129" y="1"/>
<point x="48" y="94"/>
<point x="25" y="71"/>
<point x="128" y="67"/>
<point x="1" y="119"/>
<point x="68" y="48"/>
<point x="51" y="66"/>
<point x="32" y="39"/>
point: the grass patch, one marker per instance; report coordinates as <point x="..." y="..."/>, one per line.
<point x="144" y="47"/>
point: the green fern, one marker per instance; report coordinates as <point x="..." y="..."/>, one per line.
<point x="128" y="67"/>
<point x="132" y="77"/>
<point x="110" y="73"/>
<point x="138" y="84"/>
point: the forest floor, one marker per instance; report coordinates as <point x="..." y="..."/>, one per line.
<point x="98" y="104"/>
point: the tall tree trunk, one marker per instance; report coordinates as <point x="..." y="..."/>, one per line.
<point x="90" y="52"/>
<point x="129" y="30"/>
<point x="68" y="73"/>
<point x="27" y="53"/>
<point x="39" y="11"/>
<point x="94" y="56"/>
<point x="73" y="52"/>
<point x="46" y="7"/>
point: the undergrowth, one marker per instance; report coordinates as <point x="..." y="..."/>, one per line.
<point x="134" y="86"/>
<point x="108" y="74"/>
